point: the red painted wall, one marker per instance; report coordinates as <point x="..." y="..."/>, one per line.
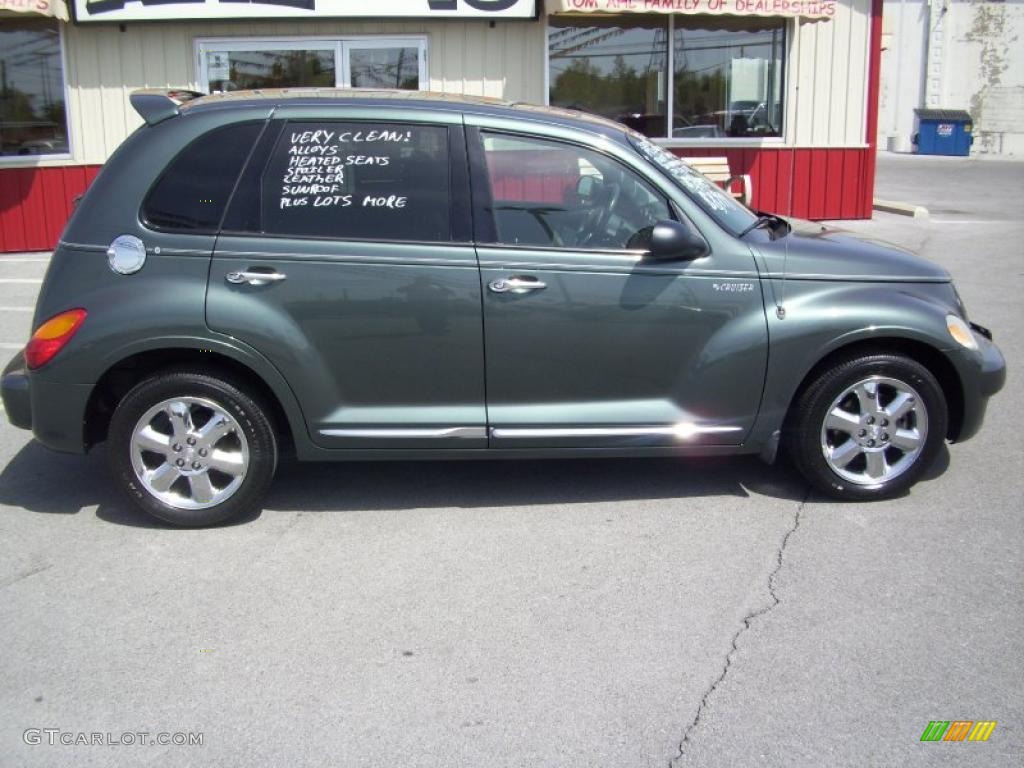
<point x="35" y="203"/>
<point x="539" y="176"/>
<point x="874" y="86"/>
<point x="807" y="183"/>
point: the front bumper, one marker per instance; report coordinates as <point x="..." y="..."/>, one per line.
<point x="982" y="374"/>
<point x="54" y="411"/>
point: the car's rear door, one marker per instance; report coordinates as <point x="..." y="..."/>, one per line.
<point x="345" y="258"/>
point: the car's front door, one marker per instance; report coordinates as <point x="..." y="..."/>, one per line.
<point x="589" y="344"/>
<point x="345" y="258"/>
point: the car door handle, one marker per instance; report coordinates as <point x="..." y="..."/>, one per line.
<point x="255" y="278"/>
<point x="516" y="284"/>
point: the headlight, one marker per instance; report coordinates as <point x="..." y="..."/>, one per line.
<point x="961" y="332"/>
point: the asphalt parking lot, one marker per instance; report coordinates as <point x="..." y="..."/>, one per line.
<point x="613" y="613"/>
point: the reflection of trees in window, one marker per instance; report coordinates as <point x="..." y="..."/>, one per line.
<point x="370" y="67"/>
<point x="298" y="67"/>
<point x="32" y="114"/>
<point x="385" y="68"/>
<point x="613" y="68"/>
<point x="582" y="85"/>
<point x="697" y="94"/>
<point x="727" y="79"/>
<point x="280" y="69"/>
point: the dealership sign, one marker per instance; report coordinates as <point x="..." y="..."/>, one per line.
<point x="158" y="10"/>
<point x="54" y="8"/>
<point x="808" y="9"/>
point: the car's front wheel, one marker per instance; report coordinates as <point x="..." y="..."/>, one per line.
<point x="868" y="427"/>
<point x="192" y="449"/>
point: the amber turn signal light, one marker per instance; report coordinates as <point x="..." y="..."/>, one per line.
<point x="51" y="337"/>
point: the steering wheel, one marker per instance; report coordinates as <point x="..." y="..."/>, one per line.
<point x="600" y="214"/>
<point x="538" y="214"/>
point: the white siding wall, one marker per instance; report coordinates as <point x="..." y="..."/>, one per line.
<point x="104" y="65"/>
<point x="954" y="55"/>
<point x="975" y="63"/>
<point x="904" y="50"/>
<point x="826" y="78"/>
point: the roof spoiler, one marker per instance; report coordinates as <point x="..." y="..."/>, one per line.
<point x="157" y="104"/>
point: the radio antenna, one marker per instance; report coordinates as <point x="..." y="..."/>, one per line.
<point x="780" y="304"/>
<point x="780" y="300"/>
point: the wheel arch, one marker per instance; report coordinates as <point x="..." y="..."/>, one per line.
<point x="937" y="363"/>
<point x="131" y="368"/>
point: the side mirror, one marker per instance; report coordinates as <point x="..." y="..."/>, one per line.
<point x="673" y="240"/>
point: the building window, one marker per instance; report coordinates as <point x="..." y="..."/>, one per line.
<point x="728" y="78"/>
<point x="33" y="114"/>
<point x="613" y="67"/>
<point x="243" y="63"/>
<point x="240" y="69"/>
<point x="679" y="77"/>
<point x="385" y="64"/>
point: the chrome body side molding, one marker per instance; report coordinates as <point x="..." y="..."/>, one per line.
<point x="431" y="433"/>
<point x="679" y="431"/>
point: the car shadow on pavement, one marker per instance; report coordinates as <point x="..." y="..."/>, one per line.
<point x="42" y="480"/>
<point x="939" y="466"/>
<point x="505" y="483"/>
<point x="28" y="482"/>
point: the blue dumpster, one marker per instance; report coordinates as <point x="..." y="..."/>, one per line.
<point x="943" y="132"/>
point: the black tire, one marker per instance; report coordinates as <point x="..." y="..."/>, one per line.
<point x="807" y="438"/>
<point x="250" y="418"/>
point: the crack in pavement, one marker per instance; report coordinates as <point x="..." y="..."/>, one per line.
<point x="747" y="621"/>
<point x="24" y="575"/>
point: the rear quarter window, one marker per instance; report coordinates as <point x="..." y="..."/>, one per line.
<point x="192" y="193"/>
<point x="355" y="180"/>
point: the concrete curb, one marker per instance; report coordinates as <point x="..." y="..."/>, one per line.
<point x="903" y="209"/>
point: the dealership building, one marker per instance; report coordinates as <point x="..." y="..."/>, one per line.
<point x="786" y="89"/>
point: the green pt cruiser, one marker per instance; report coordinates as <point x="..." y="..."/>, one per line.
<point x="384" y="275"/>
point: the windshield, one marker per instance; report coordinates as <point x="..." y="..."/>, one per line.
<point x="718" y="203"/>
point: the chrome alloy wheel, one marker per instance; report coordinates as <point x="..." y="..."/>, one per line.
<point x="874" y="431"/>
<point x="189" y="453"/>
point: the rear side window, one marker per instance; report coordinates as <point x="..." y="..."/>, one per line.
<point x="192" y="193"/>
<point x="354" y="180"/>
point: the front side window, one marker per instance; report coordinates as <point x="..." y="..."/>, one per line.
<point x="551" y="194"/>
<point x="190" y="196"/>
<point x="354" y="180"/>
<point x="724" y="76"/>
<point x="33" y="117"/>
<point x="361" y="62"/>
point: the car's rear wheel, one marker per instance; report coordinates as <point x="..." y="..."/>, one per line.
<point x="868" y="427"/>
<point x="192" y="449"/>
